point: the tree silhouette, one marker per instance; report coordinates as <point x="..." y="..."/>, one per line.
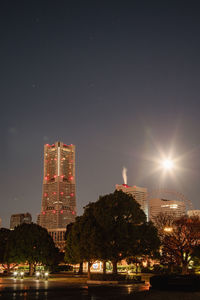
<point x="31" y="243"/>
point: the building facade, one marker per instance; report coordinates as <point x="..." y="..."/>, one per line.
<point x="172" y="207"/>
<point x="193" y="213"/>
<point x="139" y="193"/>
<point x="59" y="195"/>
<point x="18" y="219"/>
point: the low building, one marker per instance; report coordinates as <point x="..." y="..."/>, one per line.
<point x="193" y="213"/>
<point x="166" y="206"/>
<point x="18" y="219"/>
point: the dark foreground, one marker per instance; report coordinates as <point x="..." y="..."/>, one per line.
<point x="66" y="289"/>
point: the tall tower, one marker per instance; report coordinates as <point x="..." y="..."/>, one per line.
<point x="58" y="198"/>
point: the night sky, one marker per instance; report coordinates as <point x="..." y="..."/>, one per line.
<point x="119" y="79"/>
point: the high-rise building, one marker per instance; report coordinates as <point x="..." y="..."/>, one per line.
<point x="139" y="193"/>
<point x="58" y="198"/>
<point x="172" y="207"/>
<point x="18" y="219"/>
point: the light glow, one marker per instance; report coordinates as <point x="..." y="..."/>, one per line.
<point x="168" y="164"/>
<point x="168" y="229"/>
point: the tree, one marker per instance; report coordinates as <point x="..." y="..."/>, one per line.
<point x="4" y="235"/>
<point x="164" y="223"/>
<point x="82" y="241"/>
<point x="145" y="244"/>
<point x="73" y="253"/>
<point x="31" y="243"/>
<point x="116" y="216"/>
<point x="110" y="229"/>
<point x="180" y="244"/>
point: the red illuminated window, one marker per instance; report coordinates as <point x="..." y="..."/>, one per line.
<point x="61" y="193"/>
<point x="73" y="212"/>
<point x="71" y="178"/>
<point x="72" y="194"/>
<point x="61" y="211"/>
<point x="43" y="212"/>
<point x="45" y="194"/>
<point x="54" y="176"/>
<point x="54" y="211"/>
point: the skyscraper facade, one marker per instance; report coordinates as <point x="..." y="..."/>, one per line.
<point x="139" y="193"/>
<point x="59" y="195"/>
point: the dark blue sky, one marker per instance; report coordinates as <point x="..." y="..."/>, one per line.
<point x="119" y="79"/>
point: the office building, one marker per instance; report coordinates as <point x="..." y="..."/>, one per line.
<point x="139" y="193"/>
<point x="166" y="206"/>
<point x="59" y="195"/>
<point x="18" y="219"/>
<point x="193" y="213"/>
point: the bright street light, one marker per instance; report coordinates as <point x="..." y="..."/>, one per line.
<point x="168" y="229"/>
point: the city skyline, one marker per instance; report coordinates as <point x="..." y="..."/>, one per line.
<point x="121" y="82"/>
<point x="58" y="207"/>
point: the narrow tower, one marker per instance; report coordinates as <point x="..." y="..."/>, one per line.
<point x="58" y="198"/>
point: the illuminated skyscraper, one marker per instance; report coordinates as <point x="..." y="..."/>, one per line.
<point x="58" y="199"/>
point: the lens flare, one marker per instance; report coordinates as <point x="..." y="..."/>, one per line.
<point x="168" y="164"/>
